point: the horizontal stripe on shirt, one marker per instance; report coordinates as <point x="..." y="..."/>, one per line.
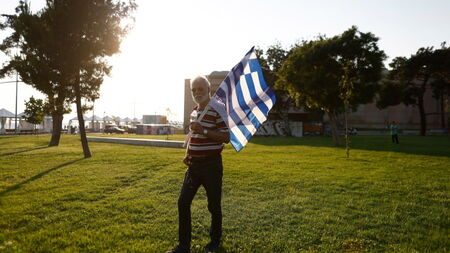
<point x="208" y="147"/>
<point x="202" y="146"/>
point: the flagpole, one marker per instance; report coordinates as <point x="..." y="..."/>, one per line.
<point x="17" y="87"/>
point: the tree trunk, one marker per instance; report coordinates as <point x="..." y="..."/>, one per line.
<point x="441" y="103"/>
<point x="56" y="131"/>
<point x="420" y="103"/>
<point x="283" y="113"/>
<point x="285" y="118"/>
<point x="84" y="143"/>
<point x="347" y="141"/>
<point x="334" y="130"/>
<point x="423" y="117"/>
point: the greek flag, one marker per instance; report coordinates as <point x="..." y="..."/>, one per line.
<point x="243" y="100"/>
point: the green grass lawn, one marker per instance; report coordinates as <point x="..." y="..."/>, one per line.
<point x="279" y="195"/>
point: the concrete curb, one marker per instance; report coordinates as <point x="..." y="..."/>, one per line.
<point x="144" y="142"/>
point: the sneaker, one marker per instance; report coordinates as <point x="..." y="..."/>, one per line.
<point x="180" y="249"/>
<point x="212" y="246"/>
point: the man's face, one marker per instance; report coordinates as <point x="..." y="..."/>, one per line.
<point x="200" y="92"/>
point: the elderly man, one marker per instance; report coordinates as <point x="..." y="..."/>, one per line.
<point x="204" y="163"/>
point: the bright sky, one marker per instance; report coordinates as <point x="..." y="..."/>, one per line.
<point x="175" y="40"/>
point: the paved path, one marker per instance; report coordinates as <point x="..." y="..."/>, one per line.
<point x="145" y="142"/>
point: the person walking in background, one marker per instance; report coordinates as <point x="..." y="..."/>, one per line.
<point x="394" y="132"/>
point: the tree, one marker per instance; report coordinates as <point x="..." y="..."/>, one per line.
<point x="441" y="82"/>
<point x="410" y="77"/>
<point x="64" y="49"/>
<point x="390" y="93"/>
<point x="314" y="72"/>
<point x="441" y="89"/>
<point x="270" y="62"/>
<point x="34" y="111"/>
<point x="38" y="60"/>
<point x="91" y="31"/>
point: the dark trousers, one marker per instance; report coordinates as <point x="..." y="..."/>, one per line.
<point x="395" y="138"/>
<point x="209" y="174"/>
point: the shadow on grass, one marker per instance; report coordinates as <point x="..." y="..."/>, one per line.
<point x="31" y="179"/>
<point x="418" y="145"/>
<point x="221" y="249"/>
<point x="22" y="151"/>
<point x="6" y="137"/>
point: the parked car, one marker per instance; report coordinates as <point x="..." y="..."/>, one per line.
<point x="130" y="129"/>
<point x="113" y="130"/>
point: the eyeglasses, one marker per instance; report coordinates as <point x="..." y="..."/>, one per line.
<point x="197" y="89"/>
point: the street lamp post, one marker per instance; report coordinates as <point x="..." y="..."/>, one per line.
<point x="93" y="125"/>
<point x="17" y="88"/>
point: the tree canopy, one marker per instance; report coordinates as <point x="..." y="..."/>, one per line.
<point x="314" y="72"/>
<point x="91" y="31"/>
<point x="64" y="49"/>
<point x="34" y="111"/>
<point x="36" y="56"/>
<point x="271" y="60"/>
<point x="410" y="77"/>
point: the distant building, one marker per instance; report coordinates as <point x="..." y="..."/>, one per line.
<point x="154" y="119"/>
<point x="367" y="116"/>
<point x="155" y="129"/>
<point x="8" y="123"/>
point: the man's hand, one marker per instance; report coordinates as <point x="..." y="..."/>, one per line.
<point x="196" y="127"/>
<point x="187" y="160"/>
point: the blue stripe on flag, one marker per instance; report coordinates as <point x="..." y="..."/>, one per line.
<point x="237" y="120"/>
<point x="238" y="72"/>
<point x="271" y="94"/>
<point x="244" y="130"/>
<point x="251" y="87"/>
<point x="228" y="84"/>
<point x="221" y="94"/>
<point x="267" y="90"/>
<point x="250" y="51"/>
<point x="245" y="108"/>
<point x="255" y="67"/>
<point x="235" y="142"/>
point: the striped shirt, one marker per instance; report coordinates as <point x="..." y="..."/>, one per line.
<point x="200" y="145"/>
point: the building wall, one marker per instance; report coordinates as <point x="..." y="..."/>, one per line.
<point x="154" y="119"/>
<point x="155" y="129"/>
<point x="407" y="117"/>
